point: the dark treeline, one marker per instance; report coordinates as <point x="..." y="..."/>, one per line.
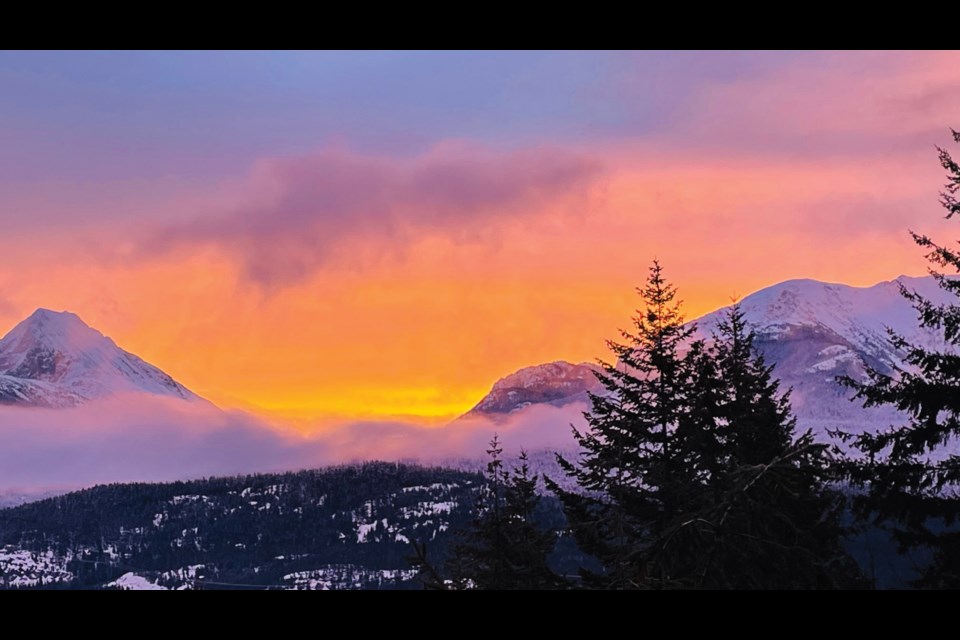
<point x="691" y="472"/>
<point x="245" y="531"/>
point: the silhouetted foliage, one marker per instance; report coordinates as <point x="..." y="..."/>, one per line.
<point x="690" y="475"/>
<point x="631" y="472"/>
<point x="506" y="547"/>
<point x="251" y="530"/>
<point x="908" y="477"/>
<point x="772" y="518"/>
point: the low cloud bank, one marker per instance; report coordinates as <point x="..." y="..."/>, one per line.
<point x="149" y="439"/>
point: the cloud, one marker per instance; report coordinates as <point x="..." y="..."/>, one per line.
<point x="532" y="428"/>
<point x="148" y="439"/>
<point x="124" y="439"/>
<point x="304" y="208"/>
<point x="825" y="103"/>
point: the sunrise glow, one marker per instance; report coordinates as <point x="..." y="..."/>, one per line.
<point x="310" y="258"/>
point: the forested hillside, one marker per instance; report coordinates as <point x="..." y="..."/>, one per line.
<point x="343" y="527"/>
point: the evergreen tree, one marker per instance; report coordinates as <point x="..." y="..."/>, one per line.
<point x="910" y="477"/>
<point x="632" y="472"/>
<point x="771" y="518"/>
<point x="505" y="548"/>
<point x="690" y="474"/>
<point x="760" y="425"/>
<point x="530" y="545"/>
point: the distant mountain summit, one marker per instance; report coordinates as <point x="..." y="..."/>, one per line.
<point x="855" y="315"/>
<point x="556" y="383"/>
<point x="811" y="331"/>
<point x="54" y="359"/>
<point x="815" y="331"/>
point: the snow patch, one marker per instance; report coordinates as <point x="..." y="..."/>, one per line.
<point x="133" y="582"/>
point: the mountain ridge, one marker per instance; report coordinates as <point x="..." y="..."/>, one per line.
<point x="54" y="359"/>
<point x="557" y="383"/>
<point x="811" y="331"/>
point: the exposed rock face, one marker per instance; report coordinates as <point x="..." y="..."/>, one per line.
<point x="555" y="383"/>
<point x="53" y="359"/>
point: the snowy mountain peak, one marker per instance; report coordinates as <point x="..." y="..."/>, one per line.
<point x="859" y="315"/>
<point x="812" y="332"/>
<point x="530" y="377"/>
<point x="48" y="322"/>
<point x="42" y="314"/>
<point x="55" y="359"/>
<point x="61" y="330"/>
<point x="63" y="326"/>
<point x="557" y="383"/>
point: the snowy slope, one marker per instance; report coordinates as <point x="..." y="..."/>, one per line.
<point x="556" y="383"/>
<point x="54" y="359"/>
<point x="811" y="331"/>
<point x="815" y="331"/>
<point x="857" y="315"/>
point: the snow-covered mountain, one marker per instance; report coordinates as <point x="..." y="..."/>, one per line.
<point x="556" y="383"/>
<point x="53" y="359"/>
<point x="856" y="315"/>
<point x="811" y="331"/>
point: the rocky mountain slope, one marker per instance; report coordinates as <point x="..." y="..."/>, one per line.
<point x="556" y="383"/>
<point x="54" y="359"/>
<point x="811" y="331"/>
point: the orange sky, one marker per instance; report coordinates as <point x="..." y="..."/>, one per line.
<point x="426" y="332"/>
<point x="418" y="312"/>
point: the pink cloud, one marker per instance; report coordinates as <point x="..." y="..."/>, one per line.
<point x="304" y="208"/>
<point x="533" y="428"/>
<point x="846" y="103"/>
<point x="151" y="439"/>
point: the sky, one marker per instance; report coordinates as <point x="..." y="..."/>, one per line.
<point x="382" y="235"/>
